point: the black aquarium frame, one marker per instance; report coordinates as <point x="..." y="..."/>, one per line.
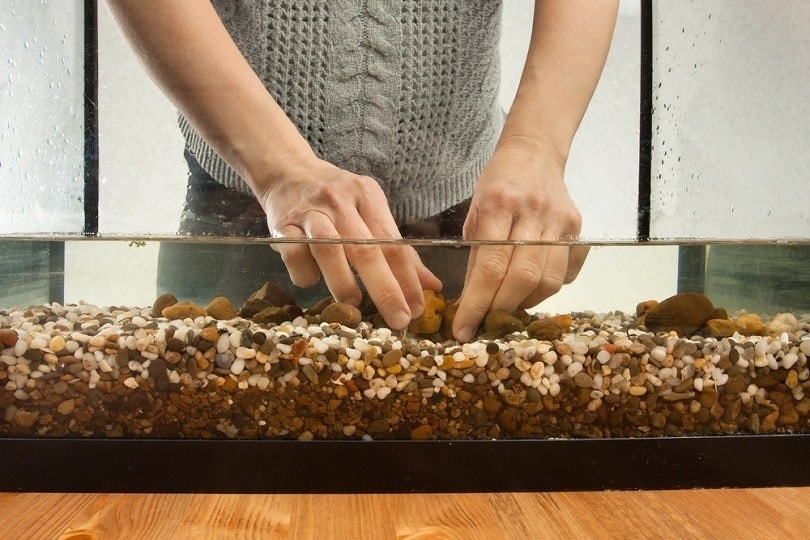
<point x="266" y="466"/>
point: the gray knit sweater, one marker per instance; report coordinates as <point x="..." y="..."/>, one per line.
<point x="402" y="91"/>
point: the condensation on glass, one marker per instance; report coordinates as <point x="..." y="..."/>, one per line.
<point x="41" y="117"/>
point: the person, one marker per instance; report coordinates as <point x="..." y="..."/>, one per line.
<point x="349" y="119"/>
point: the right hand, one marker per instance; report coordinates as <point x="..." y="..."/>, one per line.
<point x="308" y="198"/>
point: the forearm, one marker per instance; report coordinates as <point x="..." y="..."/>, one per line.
<point x="191" y="56"/>
<point x="569" y="45"/>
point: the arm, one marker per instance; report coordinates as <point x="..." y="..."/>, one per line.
<point x="521" y="194"/>
<point x="189" y="53"/>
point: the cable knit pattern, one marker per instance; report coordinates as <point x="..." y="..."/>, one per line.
<point x="403" y="91"/>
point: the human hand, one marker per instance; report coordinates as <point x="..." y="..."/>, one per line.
<point x="520" y="195"/>
<point x="308" y="198"/>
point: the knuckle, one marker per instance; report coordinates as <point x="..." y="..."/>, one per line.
<point x="551" y="282"/>
<point x="494" y="266"/>
<point x="527" y="276"/>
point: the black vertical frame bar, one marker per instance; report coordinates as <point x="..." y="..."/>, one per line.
<point x="645" y="122"/>
<point x="91" y="155"/>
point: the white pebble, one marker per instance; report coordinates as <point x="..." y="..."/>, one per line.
<point x="238" y="366"/>
<point x="658" y="353"/>
<point x="804" y="346"/>
<point x="131" y="382"/>
<point x="223" y="343"/>
<point x="760" y="348"/>
<point x="245" y="353"/>
<point x="603" y="356"/>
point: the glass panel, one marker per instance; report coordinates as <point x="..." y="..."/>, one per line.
<point x="731" y="105"/>
<point x="126" y="363"/>
<point x="141" y="148"/>
<point x="41" y="117"/>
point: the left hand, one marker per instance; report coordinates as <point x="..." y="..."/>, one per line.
<point x="520" y="195"/>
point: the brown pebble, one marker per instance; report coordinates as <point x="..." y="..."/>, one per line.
<point x="274" y="294"/>
<point x="271" y="315"/>
<point x="750" y="324"/>
<point x="221" y="309"/>
<point x="683" y="313"/>
<point x="450" y="309"/>
<point x="210" y="334"/>
<point x="501" y="323"/>
<point x="183" y="310"/>
<point x="720" y="328"/>
<point x="545" y="329"/>
<point x="643" y="307"/>
<point x="66" y="407"/>
<point x="8" y="337"/>
<point x="422" y="433"/>
<point x="583" y="380"/>
<point x="391" y="358"/>
<point x="25" y="419"/>
<point x="162" y="302"/>
<point x="341" y="313"/>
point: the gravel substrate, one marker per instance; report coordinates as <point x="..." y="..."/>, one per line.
<point x="83" y="371"/>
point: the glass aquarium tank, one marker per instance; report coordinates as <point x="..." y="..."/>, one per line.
<point x="141" y="355"/>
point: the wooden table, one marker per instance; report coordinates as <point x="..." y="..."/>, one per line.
<point x="734" y="513"/>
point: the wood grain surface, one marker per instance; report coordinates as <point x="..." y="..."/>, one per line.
<point x="735" y="513"/>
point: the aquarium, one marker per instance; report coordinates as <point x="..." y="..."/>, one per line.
<point x="139" y="354"/>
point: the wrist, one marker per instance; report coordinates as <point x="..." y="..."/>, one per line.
<point x="534" y="148"/>
<point x="269" y="169"/>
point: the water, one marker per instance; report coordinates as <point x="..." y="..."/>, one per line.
<point x="85" y="355"/>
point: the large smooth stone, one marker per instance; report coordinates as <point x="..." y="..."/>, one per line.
<point x="684" y="313"/>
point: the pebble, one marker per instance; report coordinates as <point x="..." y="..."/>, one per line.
<point x="343" y="314"/>
<point x="221" y="309"/>
<point x="183" y="310"/>
<point x="431" y="319"/>
<point x="162" y="302"/>
<point x="683" y="313"/>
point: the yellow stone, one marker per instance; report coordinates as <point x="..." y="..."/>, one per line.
<point x="57" y="344"/>
<point x="431" y="320"/>
<point x="792" y="379"/>
<point x="750" y="324"/>
<point x="210" y="334"/>
<point x="448" y="363"/>
<point x="396" y="368"/>
<point x="183" y="310"/>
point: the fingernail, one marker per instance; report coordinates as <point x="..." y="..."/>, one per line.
<point x="399" y="320"/>
<point x="465" y="334"/>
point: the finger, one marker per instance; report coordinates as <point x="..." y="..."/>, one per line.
<point x="297" y="257"/>
<point x="404" y="264"/>
<point x="526" y="270"/>
<point x="373" y="268"/>
<point x="576" y="259"/>
<point x="331" y="258"/>
<point x="381" y="283"/>
<point x="552" y="279"/>
<point x="486" y="277"/>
